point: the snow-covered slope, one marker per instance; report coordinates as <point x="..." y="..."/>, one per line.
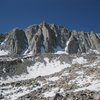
<point x="51" y="76"/>
<point x="38" y="69"/>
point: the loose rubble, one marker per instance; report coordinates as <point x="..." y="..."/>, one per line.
<point x="79" y="81"/>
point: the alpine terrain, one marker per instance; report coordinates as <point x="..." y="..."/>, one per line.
<point x="49" y="62"/>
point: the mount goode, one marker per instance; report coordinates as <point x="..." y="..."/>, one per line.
<point x="49" y="38"/>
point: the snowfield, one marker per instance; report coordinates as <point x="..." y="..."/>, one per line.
<point x="39" y="69"/>
<point x="50" y="77"/>
<point x="79" y="60"/>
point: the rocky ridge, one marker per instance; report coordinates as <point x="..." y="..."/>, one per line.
<point x="50" y="38"/>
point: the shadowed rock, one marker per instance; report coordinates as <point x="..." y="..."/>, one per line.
<point x="15" y="42"/>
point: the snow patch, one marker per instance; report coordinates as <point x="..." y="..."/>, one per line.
<point x="95" y="86"/>
<point x="13" y="93"/>
<point x="96" y="52"/>
<point x="82" y="80"/>
<point x="61" y="91"/>
<point x="2" y="52"/>
<point x="4" y="70"/>
<point x="25" y="51"/>
<point x="80" y="72"/>
<point x="90" y="65"/>
<point x="65" y="74"/>
<point x="60" y="50"/>
<point x="79" y="60"/>
<point x="53" y="79"/>
<point x="94" y="64"/>
<point x="30" y="53"/>
<point x="66" y="48"/>
<point x="51" y="93"/>
<point x="3" y="42"/>
<point x="39" y="69"/>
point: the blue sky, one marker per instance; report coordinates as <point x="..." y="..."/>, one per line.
<point x="81" y="15"/>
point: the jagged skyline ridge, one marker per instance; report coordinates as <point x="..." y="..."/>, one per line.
<point x="49" y="38"/>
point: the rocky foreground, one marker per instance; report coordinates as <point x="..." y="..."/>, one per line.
<point x="50" y="77"/>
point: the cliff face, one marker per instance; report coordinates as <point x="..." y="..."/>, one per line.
<point x="47" y="38"/>
<point x="15" y="42"/>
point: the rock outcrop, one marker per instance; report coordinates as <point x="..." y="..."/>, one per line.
<point x="15" y="42"/>
<point x="47" y="38"/>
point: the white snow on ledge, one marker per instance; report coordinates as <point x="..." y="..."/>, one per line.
<point x="79" y="60"/>
<point x="96" y="52"/>
<point x="95" y="86"/>
<point x="50" y="93"/>
<point x="53" y="78"/>
<point x="39" y="69"/>
<point x="93" y="51"/>
<point x="13" y="92"/>
<point x="2" y="52"/>
<point x="60" y="50"/>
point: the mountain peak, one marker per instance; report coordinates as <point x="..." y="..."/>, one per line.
<point x="44" y="23"/>
<point x="50" y="38"/>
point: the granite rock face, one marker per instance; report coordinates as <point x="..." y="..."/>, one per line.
<point x="15" y="42"/>
<point x="49" y="38"/>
